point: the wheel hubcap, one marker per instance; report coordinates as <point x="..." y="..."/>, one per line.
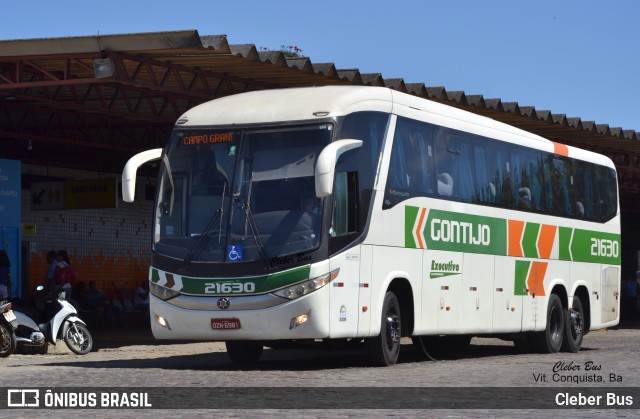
<point x="393" y="330"/>
<point x="577" y="325"/>
<point x="556" y="333"/>
<point x="77" y="336"/>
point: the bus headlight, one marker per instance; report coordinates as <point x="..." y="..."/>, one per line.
<point x="161" y="292"/>
<point x="305" y="287"/>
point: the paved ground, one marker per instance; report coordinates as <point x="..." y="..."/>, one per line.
<point x="133" y="359"/>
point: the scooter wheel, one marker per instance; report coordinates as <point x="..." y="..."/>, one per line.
<point x="7" y="341"/>
<point x="78" y="338"/>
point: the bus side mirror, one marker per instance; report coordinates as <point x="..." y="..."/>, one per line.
<point x="326" y="164"/>
<point x="130" y="169"/>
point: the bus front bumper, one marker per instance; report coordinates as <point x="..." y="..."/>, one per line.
<point x="306" y="317"/>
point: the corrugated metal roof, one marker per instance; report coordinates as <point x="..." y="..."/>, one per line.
<point x="160" y="75"/>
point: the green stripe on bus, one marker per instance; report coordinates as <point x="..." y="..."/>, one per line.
<point x="589" y="246"/>
<point x="460" y="232"/>
<point x="592" y="246"/>
<point x="530" y="239"/>
<point x="155" y="275"/>
<point x="564" y="240"/>
<point x="520" y="284"/>
<point x="262" y="284"/>
<point x="410" y="216"/>
<point x="257" y="284"/>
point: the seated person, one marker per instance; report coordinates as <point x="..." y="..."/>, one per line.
<point x="445" y="184"/>
<point x="524" y="198"/>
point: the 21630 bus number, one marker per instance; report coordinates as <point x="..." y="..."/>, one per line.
<point x="229" y="287"/>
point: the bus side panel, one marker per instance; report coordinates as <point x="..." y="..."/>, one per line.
<point x="477" y="294"/>
<point x="442" y="290"/>
<point x="557" y="274"/>
<point x="507" y="303"/>
<point x="343" y="308"/>
<point x="364" y="295"/>
<point x="610" y="297"/>
<point x="587" y="275"/>
<point x="390" y="263"/>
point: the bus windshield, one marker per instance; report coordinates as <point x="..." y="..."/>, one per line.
<point x="239" y="195"/>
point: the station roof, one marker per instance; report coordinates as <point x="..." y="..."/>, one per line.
<point x="91" y="102"/>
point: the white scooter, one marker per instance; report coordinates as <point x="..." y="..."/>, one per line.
<point x="8" y="324"/>
<point x="64" y="323"/>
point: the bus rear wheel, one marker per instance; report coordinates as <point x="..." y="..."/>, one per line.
<point x="573" y="327"/>
<point x="550" y="340"/>
<point x="384" y="349"/>
<point x="244" y="352"/>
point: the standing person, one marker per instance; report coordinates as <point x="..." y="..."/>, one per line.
<point x="65" y="275"/>
<point x="51" y="272"/>
<point x="5" y="275"/>
<point x="141" y="297"/>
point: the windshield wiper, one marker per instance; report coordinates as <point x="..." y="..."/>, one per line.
<point x="249" y="219"/>
<point x="256" y="234"/>
<point x="202" y="239"/>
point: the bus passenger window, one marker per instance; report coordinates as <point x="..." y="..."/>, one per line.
<point x="446" y="182"/>
<point x="412" y="166"/>
<point x="485" y="189"/>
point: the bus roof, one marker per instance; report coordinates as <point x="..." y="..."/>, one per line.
<point x="308" y="103"/>
<point x="294" y="104"/>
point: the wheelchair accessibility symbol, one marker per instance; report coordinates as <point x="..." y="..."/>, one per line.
<point x="234" y="252"/>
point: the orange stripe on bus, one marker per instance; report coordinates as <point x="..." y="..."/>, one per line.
<point x="515" y="237"/>
<point x="419" y="228"/>
<point x="545" y="241"/>
<point x="561" y="149"/>
<point x="535" y="281"/>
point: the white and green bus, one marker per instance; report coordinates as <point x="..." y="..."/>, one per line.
<point x="363" y="215"/>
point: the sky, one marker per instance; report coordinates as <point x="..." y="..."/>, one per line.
<point x="575" y="57"/>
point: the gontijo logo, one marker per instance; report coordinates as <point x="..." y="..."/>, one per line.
<point x="443" y="230"/>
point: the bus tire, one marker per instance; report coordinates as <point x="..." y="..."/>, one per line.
<point x="573" y="327"/>
<point x="384" y="349"/>
<point x="244" y="352"/>
<point x="550" y="340"/>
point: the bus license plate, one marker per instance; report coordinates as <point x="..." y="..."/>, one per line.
<point x="9" y="316"/>
<point x="225" y="324"/>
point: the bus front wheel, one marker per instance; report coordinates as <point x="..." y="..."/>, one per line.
<point x="384" y="349"/>
<point x="244" y="352"/>
<point x="550" y="340"/>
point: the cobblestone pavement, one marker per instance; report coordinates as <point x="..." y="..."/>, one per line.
<point x="134" y="361"/>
